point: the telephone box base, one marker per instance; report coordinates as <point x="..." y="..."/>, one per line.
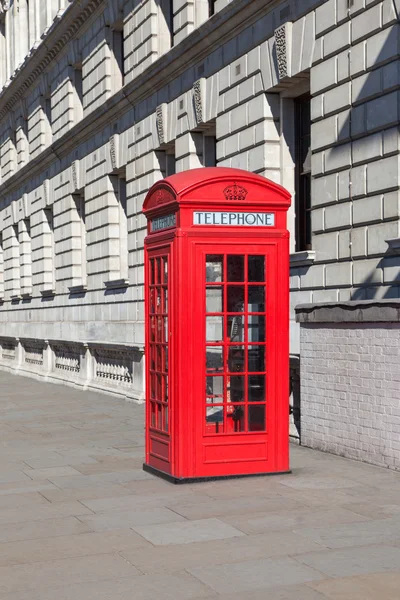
<point x="180" y="480"/>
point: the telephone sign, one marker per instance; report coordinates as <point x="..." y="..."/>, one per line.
<point x="217" y="326"/>
<point x="234" y="218"/>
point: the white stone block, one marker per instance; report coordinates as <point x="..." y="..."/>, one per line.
<point x="338" y="274"/>
<point x="383" y="175"/>
<point x="377" y="234"/>
<point x="338" y="216"/>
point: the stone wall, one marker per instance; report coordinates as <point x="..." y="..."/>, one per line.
<point x="110" y="368"/>
<point x="350" y="379"/>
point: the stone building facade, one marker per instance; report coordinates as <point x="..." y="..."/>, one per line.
<point x="99" y="99"/>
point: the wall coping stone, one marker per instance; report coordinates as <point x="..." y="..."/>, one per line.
<point x="362" y="311"/>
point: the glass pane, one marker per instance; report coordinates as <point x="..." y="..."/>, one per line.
<point x="151" y="271"/>
<point x="158" y="300"/>
<point x="235" y="328"/>
<point x="214" y="299"/>
<point x="215" y="388"/>
<point x="214" y="267"/>
<point x="214" y="329"/>
<point x="237" y="416"/>
<point x="165" y="300"/>
<point x="214" y="414"/>
<point x="152" y="386"/>
<point x="256" y="298"/>
<point x="165" y="319"/>
<point x="159" y="417"/>
<point x="236" y="388"/>
<point x="153" y="414"/>
<point x="158" y="270"/>
<point x="256" y="268"/>
<point x="166" y="359"/>
<point x="256" y="328"/>
<point x="256" y="416"/>
<point x="158" y="358"/>
<point x="236" y="359"/>
<point x="166" y="418"/>
<point x="165" y="278"/>
<point x="165" y="388"/>
<point x="235" y="267"/>
<point x="256" y="358"/>
<point x="256" y="388"/>
<point x="214" y="359"/>
<point x="235" y="298"/>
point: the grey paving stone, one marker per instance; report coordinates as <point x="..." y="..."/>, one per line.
<point x="353" y="561"/>
<point x="187" y="532"/>
<point x="58" y="573"/>
<point x="51" y="472"/>
<point x="216" y="552"/>
<point x="34" y="530"/>
<point x="355" y="534"/>
<point x="255" y="574"/>
<point x="285" y="592"/>
<point x="129" y="518"/>
<point x="377" y="586"/>
<point x="178" y="586"/>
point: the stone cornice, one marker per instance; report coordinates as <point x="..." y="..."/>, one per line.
<point x="221" y="27"/>
<point x="356" y="311"/>
<point x="61" y="32"/>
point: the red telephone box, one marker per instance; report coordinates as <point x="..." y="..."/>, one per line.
<point x="217" y="325"/>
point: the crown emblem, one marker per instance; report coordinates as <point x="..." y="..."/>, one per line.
<point x="235" y="192"/>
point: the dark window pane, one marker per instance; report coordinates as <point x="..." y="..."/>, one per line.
<point x="214" y="267"/>
<point x="153" y="414"/>
<point x="165" y="270"/>
<point x="236" y="388"/>
<point x="256" y="416"/>
<point x="235" y="267"/>
<point x="237" y="415"/>
<point x="235" y="328"/>
<point x="214" y="359"/>
<point x="235" y="298"/>
<point x="256" y="388"/>
<point x="236" y="359"/>
<point x="256" y="268"/>
<point x="159" y="417"/>
<point x="256" y="328"/>
<point x="152" y="271"/>
<point x="256" y="298"/>
<point x="256" y="356"/>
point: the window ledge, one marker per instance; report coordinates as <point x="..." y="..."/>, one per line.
<point x="77" y="289"/>
<point x="302" y="259"/>
<point x="48" y="292"/>
<point x="115" y="284"/>
<point x="26" y="295"/>
<point x="394" y="245"/>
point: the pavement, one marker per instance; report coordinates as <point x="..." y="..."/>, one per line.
<point x="80" y="520"/>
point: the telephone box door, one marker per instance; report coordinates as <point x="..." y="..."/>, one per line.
<point x="237" y="299"/>
<point x="158" y="384"/>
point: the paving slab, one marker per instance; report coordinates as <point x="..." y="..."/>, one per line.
<point x="255" y="574"/>
<point x="187" y="532"/>
<point x="378" y="586"/>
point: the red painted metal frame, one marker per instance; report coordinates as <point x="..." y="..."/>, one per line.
<point x="192" y="449"/>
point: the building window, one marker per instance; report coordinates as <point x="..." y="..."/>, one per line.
<point x="78" y="86"/>
<point x="49" y="252"/>
<point x="79" y="200"/>
<point x="118" y="56"/>
<point x="15" y="263"/>
<point x="119" y="186"/>
<point x="209" y="150"/>
<point x="25" y="246"/>
<point x="303" y="173"/>
<point x="211" y="7"/>
<point x="166" y="159"/>
<point x="1" y="267"/>
<point x="166" y="27"/>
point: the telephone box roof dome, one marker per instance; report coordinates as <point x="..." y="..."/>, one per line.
<point x="181" y="184"/>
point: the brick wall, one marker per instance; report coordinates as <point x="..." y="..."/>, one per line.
<point x="350" y="380"/>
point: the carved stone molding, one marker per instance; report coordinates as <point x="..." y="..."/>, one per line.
<point x="283" y="47"/>
<point x="114" y="152"/>
<point x="75" y="176"/>
<point x="46" y="192"/>
<point x="199" y="95"/>
<point x="161" y="122"/>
